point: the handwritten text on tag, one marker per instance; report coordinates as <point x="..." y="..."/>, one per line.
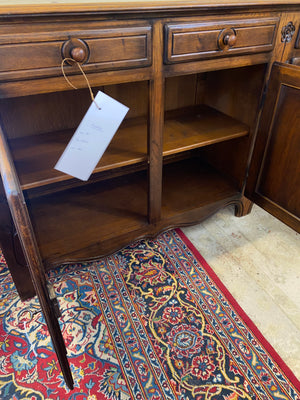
<point x="92" y="137"/>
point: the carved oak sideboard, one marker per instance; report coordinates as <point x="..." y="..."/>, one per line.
<point x="214" y="97"/>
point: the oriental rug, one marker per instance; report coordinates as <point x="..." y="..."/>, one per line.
<point x="151" y="321"/>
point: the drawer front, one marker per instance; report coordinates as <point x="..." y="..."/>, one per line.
<point x="26" y="54"/>
<point x="200" y="40"/>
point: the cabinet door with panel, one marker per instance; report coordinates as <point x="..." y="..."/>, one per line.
<point x="22" y="223"/>
<point x="274" y="175"/>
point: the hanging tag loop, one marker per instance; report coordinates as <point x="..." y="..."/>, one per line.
<point x="83" y="73"/>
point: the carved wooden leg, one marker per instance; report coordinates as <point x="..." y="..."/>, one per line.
<point x="13" y="254"/>
<point x="244" y="207"/>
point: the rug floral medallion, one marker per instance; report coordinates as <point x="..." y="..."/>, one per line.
<point x="152" y="321"/>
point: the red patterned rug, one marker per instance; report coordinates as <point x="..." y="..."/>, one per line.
<point x="151" y="322"/>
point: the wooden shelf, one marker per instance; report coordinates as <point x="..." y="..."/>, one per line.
<point x="94" y="220"/>
<point x="86" y="221"/>
<point x="194" y="127"/>
<point x="190" y="185"/>
<point x="185" y="129"/>
<point x="35" y="156"/>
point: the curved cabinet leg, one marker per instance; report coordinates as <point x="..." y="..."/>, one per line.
<point x="244" y="207"/>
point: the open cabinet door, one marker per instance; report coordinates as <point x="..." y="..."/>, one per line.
<point x="274" y="174"/>
<point x="24" y="229"/>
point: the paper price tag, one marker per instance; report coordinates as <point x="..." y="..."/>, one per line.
<point x="92" y="137"/>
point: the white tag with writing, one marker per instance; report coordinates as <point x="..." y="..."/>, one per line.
<point x="92" y="137"/>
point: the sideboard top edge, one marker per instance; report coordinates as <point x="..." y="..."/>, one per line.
<point x="51" y="7"/>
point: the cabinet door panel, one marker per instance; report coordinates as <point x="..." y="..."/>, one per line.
<point x="21" y="219"/>
<point x="274" y="176"/>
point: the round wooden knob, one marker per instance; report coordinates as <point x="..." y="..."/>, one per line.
<point x="78" y="54"/>
<point x="76" y="49"/>
<point x="229" y="40"/>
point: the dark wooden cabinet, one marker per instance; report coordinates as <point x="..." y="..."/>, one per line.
<point x="214" y="116"/>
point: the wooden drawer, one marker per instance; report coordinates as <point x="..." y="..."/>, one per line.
<point x="35" y="50"/>
<point x="197" y="40"/>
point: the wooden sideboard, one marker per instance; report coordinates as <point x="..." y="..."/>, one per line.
<point x="214" y="97"/>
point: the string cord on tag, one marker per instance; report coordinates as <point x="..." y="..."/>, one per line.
<point x="83" y="73"/>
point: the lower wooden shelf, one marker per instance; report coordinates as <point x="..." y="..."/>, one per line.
<point x="189" y="187"/>
<point x="91" y="220"/>
<point x="94" y="220"/>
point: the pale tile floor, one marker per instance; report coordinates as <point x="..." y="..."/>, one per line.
<point x="258" y="259"/>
